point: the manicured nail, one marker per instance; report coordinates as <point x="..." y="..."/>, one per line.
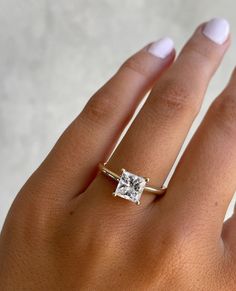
<point x="217" y="30"/>
<point x="161" y="48"/>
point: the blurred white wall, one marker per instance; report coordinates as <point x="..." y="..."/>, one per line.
<point x="55" y="54"/>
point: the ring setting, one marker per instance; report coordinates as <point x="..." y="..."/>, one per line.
<point x="130" y="186"/>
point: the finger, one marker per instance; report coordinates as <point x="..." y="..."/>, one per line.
<point x="228" y="232"/>
<point x="72" y="163"/>
<point x="204" y="181"/>
<point x="153" y="142"/>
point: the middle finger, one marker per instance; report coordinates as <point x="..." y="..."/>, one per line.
<point x="152" y="143"/>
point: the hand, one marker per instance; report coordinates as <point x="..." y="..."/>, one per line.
<point x="65" y="230"/>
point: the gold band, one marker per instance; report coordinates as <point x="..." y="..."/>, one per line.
<point x="155" y="190"/>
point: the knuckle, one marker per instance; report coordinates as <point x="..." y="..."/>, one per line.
<point x="198" y="52"/>
<point x="176" y="97"/>
<point x="137" y="65"/>
<point x="101" y="107"/>
<point x="224" y="110"/>
<point x="35" y="216"/>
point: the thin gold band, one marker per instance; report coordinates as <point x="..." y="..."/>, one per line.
<point x="155" y="190"/>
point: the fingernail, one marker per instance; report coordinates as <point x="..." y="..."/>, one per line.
<point x="161" y="48"/>
<point x="217" y="30"/>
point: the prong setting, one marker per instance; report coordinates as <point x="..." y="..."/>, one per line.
<point x="130" y="186"/>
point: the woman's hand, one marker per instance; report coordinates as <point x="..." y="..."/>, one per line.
<point x="65" y="230"/>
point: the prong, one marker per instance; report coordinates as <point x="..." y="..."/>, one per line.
<point x="123" y="170"/>
<point x="138" y="202"/>
<point x="114" y="194"/>
<point x="146" y="179"/>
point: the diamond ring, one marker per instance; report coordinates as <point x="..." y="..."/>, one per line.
<point x="131" y="186"/>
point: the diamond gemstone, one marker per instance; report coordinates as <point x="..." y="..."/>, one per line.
<point x="130" y="187"/>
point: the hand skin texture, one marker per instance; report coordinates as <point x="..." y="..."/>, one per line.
<point x="65" y="230"/>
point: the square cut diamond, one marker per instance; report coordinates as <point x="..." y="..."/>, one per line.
<point x="130" y="187"/>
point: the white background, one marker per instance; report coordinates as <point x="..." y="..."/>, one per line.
<point x="55" y="54"/>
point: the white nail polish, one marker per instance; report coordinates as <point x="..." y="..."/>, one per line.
<point x="217" y="30"/>
<point x="161" y="48"/>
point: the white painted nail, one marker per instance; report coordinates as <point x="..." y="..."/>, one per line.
<point x="161" y="48"/>
<point x="217" y="30"/>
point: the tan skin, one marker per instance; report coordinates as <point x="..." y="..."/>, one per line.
<point x="65" y="231"/>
